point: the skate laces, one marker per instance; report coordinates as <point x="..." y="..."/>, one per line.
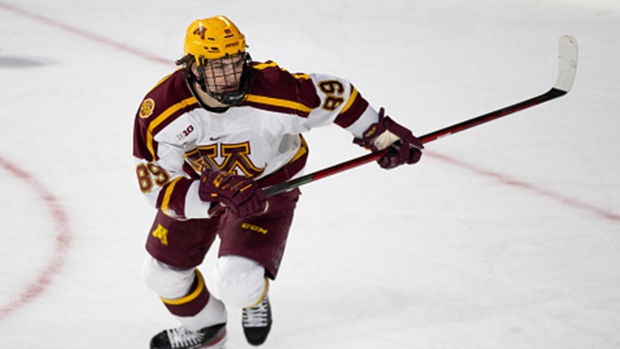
<point x="257" y="316"/>
<point x="182" y="338"/>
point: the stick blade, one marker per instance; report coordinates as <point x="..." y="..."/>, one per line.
<point x="567" y="63"/>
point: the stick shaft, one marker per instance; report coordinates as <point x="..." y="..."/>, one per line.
<point x="444" y="132"/>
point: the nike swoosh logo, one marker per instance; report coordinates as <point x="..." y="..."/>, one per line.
<point x="216" y="138"/>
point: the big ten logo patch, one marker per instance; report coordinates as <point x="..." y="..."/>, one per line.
<point x="253" y="227"/>
<point x="161" y="234"/>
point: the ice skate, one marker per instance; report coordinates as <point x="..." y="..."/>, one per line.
<point x="257" y="322"/>
<point x="213" y="337"/>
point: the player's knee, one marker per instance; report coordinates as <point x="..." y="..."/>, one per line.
<point x="165" y="280"/>
<point x="238" y="281"/>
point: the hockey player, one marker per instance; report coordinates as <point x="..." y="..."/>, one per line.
<point x="207" y="138"/>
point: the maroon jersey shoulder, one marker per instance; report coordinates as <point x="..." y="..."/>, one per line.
<point x="169" y="99"/>
<point x="278" y="90"/>
<point x="168" y="92"/>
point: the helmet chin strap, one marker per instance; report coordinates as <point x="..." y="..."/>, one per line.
<point x="230" y="98"/>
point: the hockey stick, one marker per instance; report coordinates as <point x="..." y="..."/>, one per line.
<point x="567" y="68"/>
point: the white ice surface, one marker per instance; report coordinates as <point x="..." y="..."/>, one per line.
<point x="504" y="236"/>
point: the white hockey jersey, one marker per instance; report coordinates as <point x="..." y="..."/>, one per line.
<point x="175" y="138"/>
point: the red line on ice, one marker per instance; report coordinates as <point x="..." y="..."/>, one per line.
<point x="527" y="186"/>
<point x="87" y="35"/>
<point x="63" y="241"/>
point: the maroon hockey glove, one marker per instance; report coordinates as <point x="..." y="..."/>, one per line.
<point x="241" y="194"/>
<point x="403" y="146"/>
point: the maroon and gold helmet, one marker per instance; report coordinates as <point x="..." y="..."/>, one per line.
<point x="217" y="48"/>
<point x="213" y="38"/>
